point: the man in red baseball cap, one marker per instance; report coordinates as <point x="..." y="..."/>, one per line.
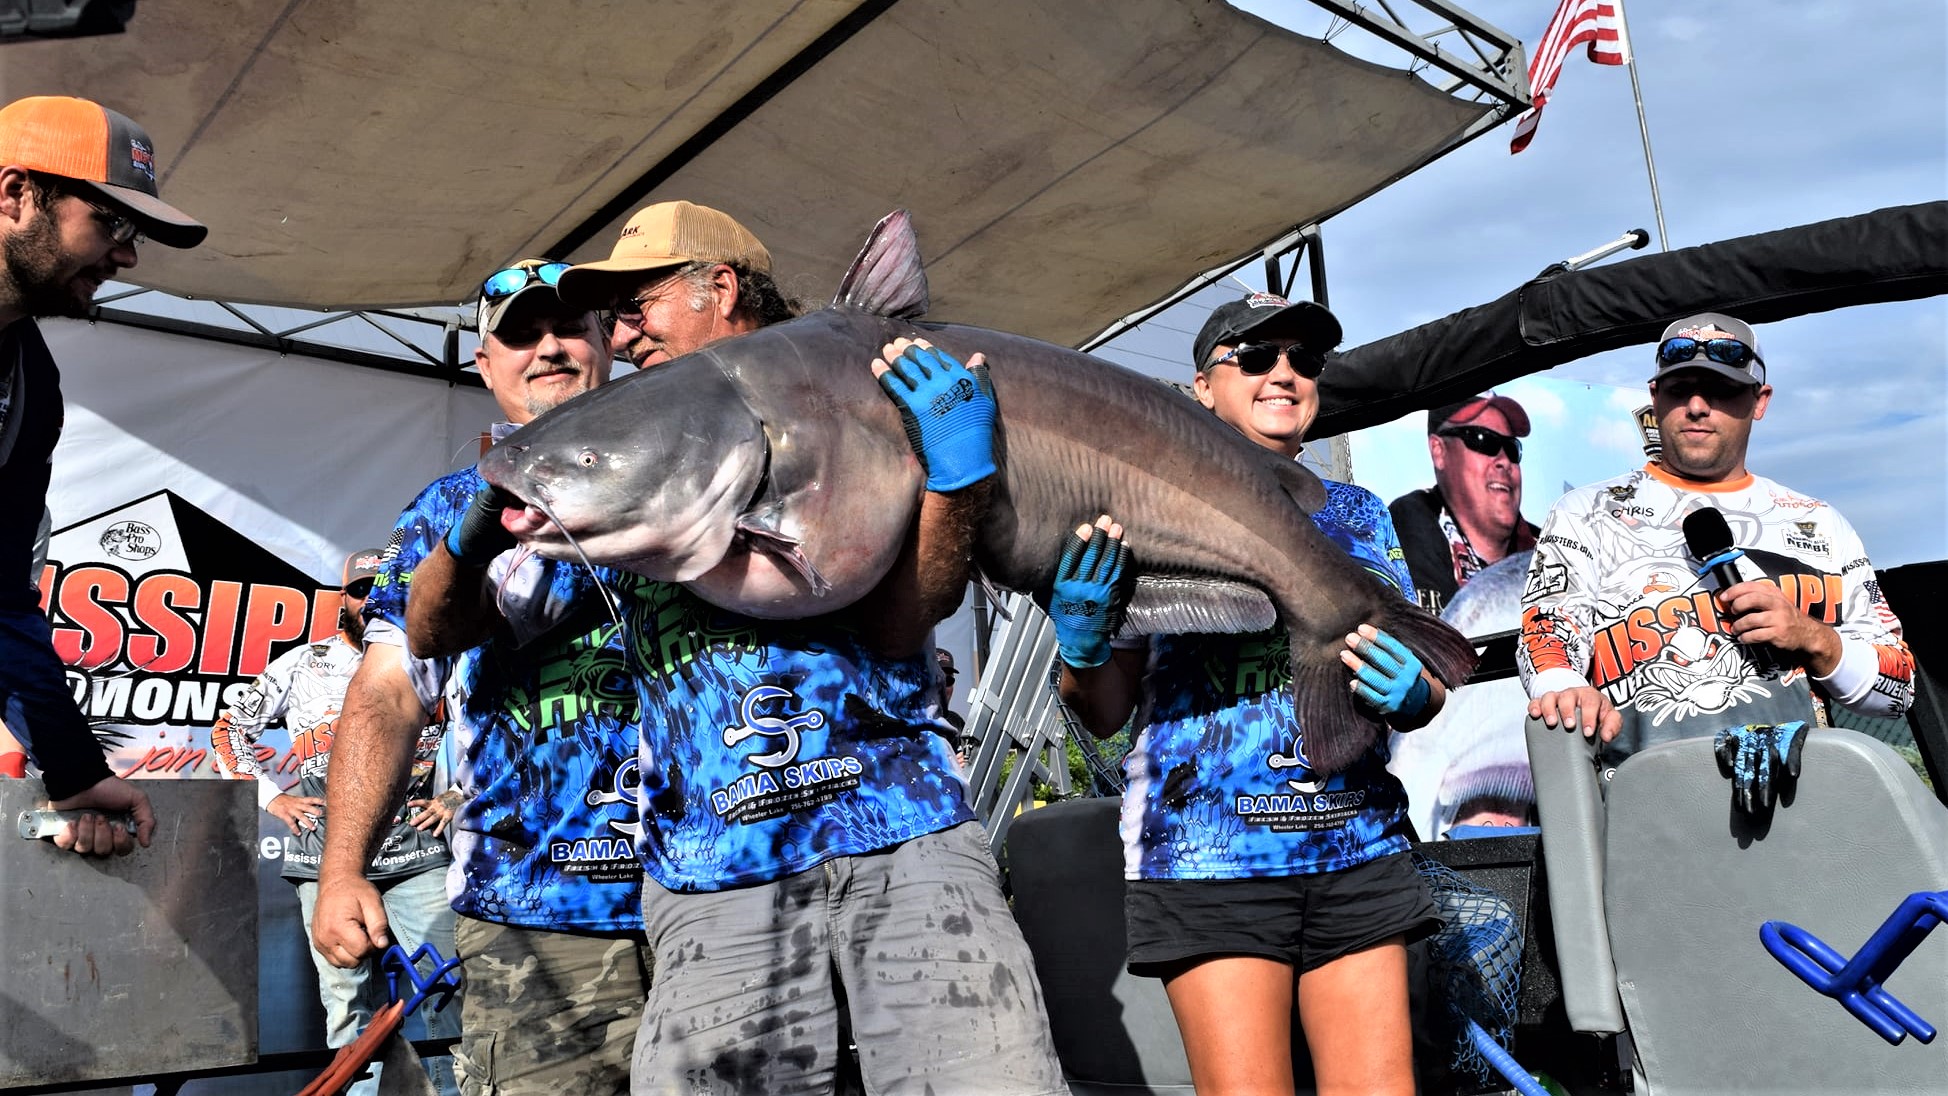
<point x="77" y="196"/>
<point x="1472" y="516"/>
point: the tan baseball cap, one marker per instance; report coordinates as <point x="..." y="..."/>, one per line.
<point x="110" y="157"/>
<point x="662" y="237"/>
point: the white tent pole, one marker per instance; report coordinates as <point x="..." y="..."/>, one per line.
<point x="1643" y="128"/>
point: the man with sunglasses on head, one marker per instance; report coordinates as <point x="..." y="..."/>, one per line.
<point x="809" y="854"/>
<point x="550" y="944"/>
<point x="1472" y="516"/>
<point x="77" y="197"/>
<point x="1628" y="636"/>
<point x="305" y="690"/>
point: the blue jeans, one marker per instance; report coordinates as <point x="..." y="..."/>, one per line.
<point x="417" y="913"/>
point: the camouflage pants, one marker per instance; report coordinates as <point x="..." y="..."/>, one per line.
<point x="547" y="1013"/>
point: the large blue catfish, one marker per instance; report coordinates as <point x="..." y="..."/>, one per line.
<point x="770" y="475"/>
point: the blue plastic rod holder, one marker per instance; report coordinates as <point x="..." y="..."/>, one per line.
<point x="1856" y="982"/>
<point x="442" y="982"/>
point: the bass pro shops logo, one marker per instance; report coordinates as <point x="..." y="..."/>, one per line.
<point x="130" y="540"/>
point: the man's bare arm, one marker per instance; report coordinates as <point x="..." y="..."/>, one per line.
<point x="450" y="606"/>
<point x="371" y="760"/>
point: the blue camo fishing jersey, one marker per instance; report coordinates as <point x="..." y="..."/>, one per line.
<point x="769" y="747"/>
<point x="1218" y="787"/>
<point x="546" y="736"/>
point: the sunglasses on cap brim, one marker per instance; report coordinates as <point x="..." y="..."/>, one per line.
<point x="1482" y="440"/>
<point x="506" y="283"/>
<point x="1683" y="348"/>
<point x="1258" y="359"/>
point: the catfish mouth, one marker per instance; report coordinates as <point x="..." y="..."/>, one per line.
<point x="528" y="523"/>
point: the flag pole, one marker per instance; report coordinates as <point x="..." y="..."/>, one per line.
<point x="1643" y="128"/>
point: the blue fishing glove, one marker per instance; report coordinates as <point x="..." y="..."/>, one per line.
<point x="1390" y="680"/>
<point x="1086" y="605"/>
<point x="949" y="414"/>
<point x="1757" y="757"/>
<point x="478" y="536"/>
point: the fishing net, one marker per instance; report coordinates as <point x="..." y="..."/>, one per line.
<point x="1477" y="962"/>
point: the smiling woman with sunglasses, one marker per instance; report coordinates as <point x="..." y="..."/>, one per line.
<point x="1260" y="891"/>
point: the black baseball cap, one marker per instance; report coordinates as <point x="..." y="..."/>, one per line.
<point x="1269" y="316"/>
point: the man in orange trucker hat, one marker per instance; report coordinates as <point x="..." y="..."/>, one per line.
<point x="77" y="197"/>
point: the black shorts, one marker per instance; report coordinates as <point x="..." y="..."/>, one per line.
<point x="1305" y="920"/>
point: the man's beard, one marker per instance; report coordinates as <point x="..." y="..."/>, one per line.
<point x="33" y="260"/>
<point x="352" y="624"/>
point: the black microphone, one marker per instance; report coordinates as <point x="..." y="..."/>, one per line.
<point x="1710" y="542"/>
<point x="1709" y="539"/>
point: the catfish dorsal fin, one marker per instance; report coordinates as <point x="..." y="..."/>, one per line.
<point x="886" y="278"/>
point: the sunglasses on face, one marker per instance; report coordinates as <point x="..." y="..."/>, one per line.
<point x="1683" y="348"/>
<point x="123" y="231"/>
<point x="1258" y="359"/>
<point x="630" y="309"/>
<point x="1713" y="387"/>
<point x="358" y="589"/>
<point x="506" y="283"/>
<point x="1485" y="441"/>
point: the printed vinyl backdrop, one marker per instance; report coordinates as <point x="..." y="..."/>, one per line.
<point x="204" y="498"/>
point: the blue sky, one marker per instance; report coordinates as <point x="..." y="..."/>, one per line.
<point x="1762" y="116"/>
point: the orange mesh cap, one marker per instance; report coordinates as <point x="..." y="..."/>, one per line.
<point x="104" y="151"/>
<point x="661" y="237"/>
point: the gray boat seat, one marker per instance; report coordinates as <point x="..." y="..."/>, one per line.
<point x="1114" y="1031"/>
<point x="1686" y="881"/>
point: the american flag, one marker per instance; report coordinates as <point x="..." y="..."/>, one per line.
<point x="1598" y="22"/>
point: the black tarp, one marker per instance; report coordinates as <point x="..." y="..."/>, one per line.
<point x="1894" y="254"/>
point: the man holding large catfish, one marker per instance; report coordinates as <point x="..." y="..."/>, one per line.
<point x="803" y="825"/>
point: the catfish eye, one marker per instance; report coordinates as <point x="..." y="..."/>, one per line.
<point x="588" y="458"/>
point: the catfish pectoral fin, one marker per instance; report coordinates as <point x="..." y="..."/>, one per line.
<point x="761" y="533"/>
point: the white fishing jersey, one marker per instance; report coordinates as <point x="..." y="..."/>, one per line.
<point x="305" y="689"/>
<point x="1614" y="600"/>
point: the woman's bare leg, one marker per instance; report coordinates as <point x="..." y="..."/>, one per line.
<point x="1235" y="1014"/>
<point x="1354" y="1011"/>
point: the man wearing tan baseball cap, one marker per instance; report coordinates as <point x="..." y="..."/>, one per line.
<point x="796" y="875"/>
<point x="77" y="196"/>
<point x="681" y="276"/>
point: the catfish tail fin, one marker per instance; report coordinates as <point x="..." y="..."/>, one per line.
<point x="1337" y="729"/>
<point x="1447" y="653"/>
<point x="886" y="279"/>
